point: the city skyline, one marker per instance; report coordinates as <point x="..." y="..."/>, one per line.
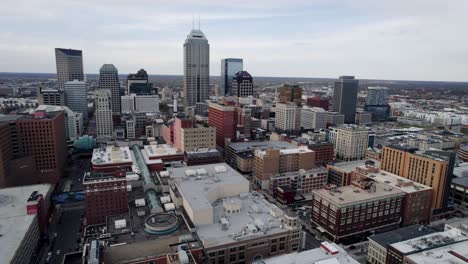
<point x="318" y="39"/>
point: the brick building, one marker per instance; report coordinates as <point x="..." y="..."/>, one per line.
<point x="223" y="118"/>
<point x="35" y="145"/>
<point x="416" y="205"/>
<point x="104" y="196"/>
<point x="318" y="102"/>
<point x="323" y="152"/>
<point x="351" y="211"/>
<point x="302" y="181"/>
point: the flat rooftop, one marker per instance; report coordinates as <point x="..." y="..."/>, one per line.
<point x="438" y="239"/>
<point x="451" y="254"/>
<point x="316" y="256"/>
<point x="395" y="181"/>
<point x="261" y="145"/>
<point x="350" y="166"/>
<point x="401" y="234"/>
<point x="160" y="150"/>
<point x="14" y="220"/>
<point x="460" y="181"/>
<point x="111" y="155"/>
<point x="202" y="185"/>
<point x="348" y="195"/>
<point x="257" y="217"/>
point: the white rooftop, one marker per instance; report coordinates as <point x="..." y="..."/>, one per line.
<point x="160" y="150"/>
<point x="316" y="256"/>
<point x="241" y="217"/>
<point x="14" y="220"/>
<point x="202" y="185"/>
<point x="111" y="155"/>
<point x="451" y="254"/>
<point x="352" y="165"/>
<point x="425" y="242"/>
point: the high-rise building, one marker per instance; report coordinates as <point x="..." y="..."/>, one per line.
<point x="377" y="95"/>
<point x="76" y="97"/>
<point x="196" y="68"/>
<point x="431" y="168"/>
<point x="313" y="118"/>
<point x="33" y="148"/>
<point x="363" y="118"/>
<point x="109" y="79"/>
<point x="223" y="118"/>
<point x="335" y="118"/>
<point x="288" y="118"/>
<point x="73" y="120"/>
<point x="104" y="124"/>
<point x="69" y="66"/>
<point x="350" y="142"/>
<point x="138" y="83"/>
<point x="48" y="96"/>
<point x="345" y="97"/>
<point x="140" y="103"/>
<point x="229" y="68"/>
<point x="242" y="84"/>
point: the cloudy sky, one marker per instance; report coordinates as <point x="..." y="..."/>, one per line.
<point x="372" y="39"/>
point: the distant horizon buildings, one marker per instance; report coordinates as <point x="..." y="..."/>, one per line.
<point x="69" y="63"/>
<point x="229" y="68"/>
<point x="196" y="68"/>
<point x="345" y="97"/>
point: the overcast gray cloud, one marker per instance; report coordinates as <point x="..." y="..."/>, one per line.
<point x="419" y="40"/>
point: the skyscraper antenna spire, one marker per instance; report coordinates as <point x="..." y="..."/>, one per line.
<point x="198" y="21"/>
<point x="193" y="21"/>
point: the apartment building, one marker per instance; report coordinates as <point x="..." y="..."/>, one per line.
<point x="431" y="168"/>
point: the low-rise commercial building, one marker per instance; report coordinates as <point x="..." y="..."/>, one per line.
<point x="323" y="152"/>
<point x="378" y="244"/>
<point x="340" y="173"/>
<point x="111" y="159"/>
<point x="233" y="224"/>
<point x="23" y="217"/>
<point x="357" y="210"/>
<point x="459" y="192"/>
<point x="416" y="206"/>
<point x="272" y="162"/>
<point x="301" y="181"/>
<point x="399" y="252"/>
<point x="240" y="155"/>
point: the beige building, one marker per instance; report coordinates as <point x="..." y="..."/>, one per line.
<point x="431" y="168"/>
<point x="198" y="137"/>
<point x="288" y="118"/>
<point x="350" y="142"/>
<point x="104" y="123"/>
<point x="271" y="162"/>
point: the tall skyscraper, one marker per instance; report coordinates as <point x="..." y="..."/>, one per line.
<point x="229" y="68"/>
<point x="345" y="97"/>
<point x="196" y="68"/>
<point x="377" y="95"/>
<point x="109" y="79"/>
<point x="242" y="84"/>
<point x="76" y="97"/>
<point x="69" y="66"/>
<point x="104" y="125"/>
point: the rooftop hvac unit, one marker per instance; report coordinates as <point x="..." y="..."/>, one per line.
<point x="119" y="224"/>
<point x="165" y="199"/>
<point x="140" y="202"/>
<point x="169" y="207"/>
